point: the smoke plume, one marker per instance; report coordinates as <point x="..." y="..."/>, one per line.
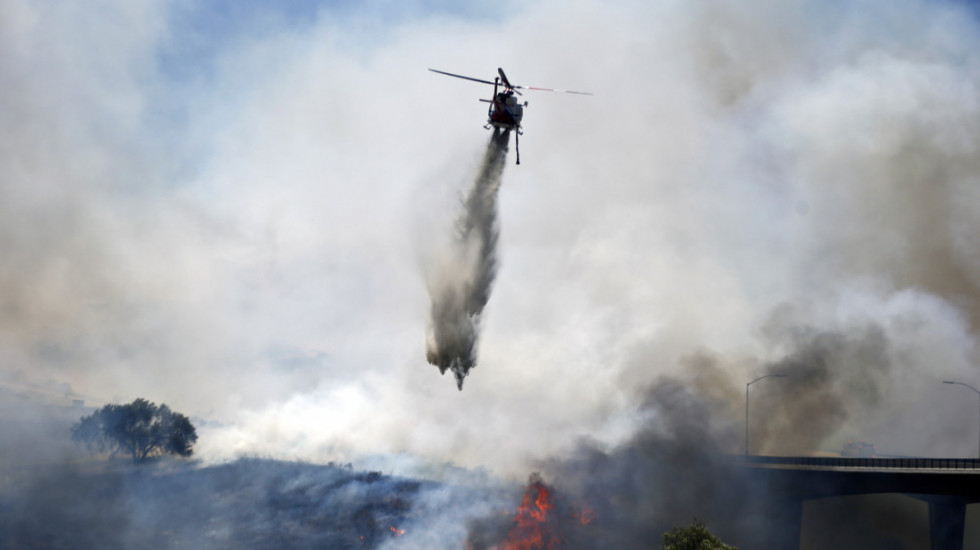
<point x="197" y="208"/>
<point x="461" y="289"/>
<point x="671" y="470"/>
<point x="681" y="461"/>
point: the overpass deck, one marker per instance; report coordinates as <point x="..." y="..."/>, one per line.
<point x="945" y="465"/>
<point x="946" y="484"/>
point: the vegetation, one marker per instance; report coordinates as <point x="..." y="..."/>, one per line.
<point x="140" y="429"/>
<point x="694" y="537"/>
<point x="249" y="504"/>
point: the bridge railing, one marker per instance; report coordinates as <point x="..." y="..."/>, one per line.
<point x="863" y="462"/>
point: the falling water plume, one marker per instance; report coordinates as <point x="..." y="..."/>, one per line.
<point x="460" y="290"/>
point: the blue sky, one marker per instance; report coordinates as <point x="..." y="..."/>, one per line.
<point x="199" y="29"/>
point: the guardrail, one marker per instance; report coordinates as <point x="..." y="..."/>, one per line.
<point x="875" y="463"/>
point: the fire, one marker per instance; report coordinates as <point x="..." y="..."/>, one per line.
<point x="532" y="530"/>
<point x="397" y="532"/>
<point x="545" y="520"/>
<point x="585" y="514"/>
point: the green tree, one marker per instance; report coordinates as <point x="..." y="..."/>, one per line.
<point x="694" y="537"/>
<point x="140" y="429"/>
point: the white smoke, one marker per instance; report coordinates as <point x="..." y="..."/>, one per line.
<point x="222" y="218"/>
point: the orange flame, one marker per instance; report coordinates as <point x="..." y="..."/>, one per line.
<point x="532" y="531"/>
<point x="397" y="532"/>
<point x="586" y="514"/>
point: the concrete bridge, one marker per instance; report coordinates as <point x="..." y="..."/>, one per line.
<point x="946" y="484"/>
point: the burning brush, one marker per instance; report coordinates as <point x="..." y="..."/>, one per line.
<point x="542" y="522"/>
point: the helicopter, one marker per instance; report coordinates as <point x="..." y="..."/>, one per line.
<point x="505" y="111"/>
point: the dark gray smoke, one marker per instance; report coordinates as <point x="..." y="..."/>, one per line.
<point x="672" y="470"/>
<point x="682" y="462"/>
<point x="460" y="290"/>
<point x="835" y="379"/>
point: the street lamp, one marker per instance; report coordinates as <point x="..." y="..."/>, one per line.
<point x="978" y="395"/>
<point x="747" y="405"/>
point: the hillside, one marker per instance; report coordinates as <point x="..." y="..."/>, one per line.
<point x="247" y="504"/>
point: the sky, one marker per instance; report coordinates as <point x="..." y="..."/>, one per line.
<point x="233" y="209"/>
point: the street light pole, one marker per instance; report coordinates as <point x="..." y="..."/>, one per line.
<point x="978" y="398"/>
<point x="747" y="405"/>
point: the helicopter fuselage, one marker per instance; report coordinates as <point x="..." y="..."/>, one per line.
<point x="505" y="111"/>
<point x="505" y="116"/>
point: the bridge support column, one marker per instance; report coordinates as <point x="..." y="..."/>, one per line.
<point x="784" y="524"/>
<point x="947" y="519"/>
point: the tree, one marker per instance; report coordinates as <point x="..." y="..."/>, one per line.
<point x="140" y="429"/>
<point x="694" y="537"/>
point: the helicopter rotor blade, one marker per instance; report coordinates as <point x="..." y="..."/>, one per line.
<point x="507" y="83"/>
<point x="554" y="90"/>
<point x="463" y="77"/>
<point x="503" y="78"/>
